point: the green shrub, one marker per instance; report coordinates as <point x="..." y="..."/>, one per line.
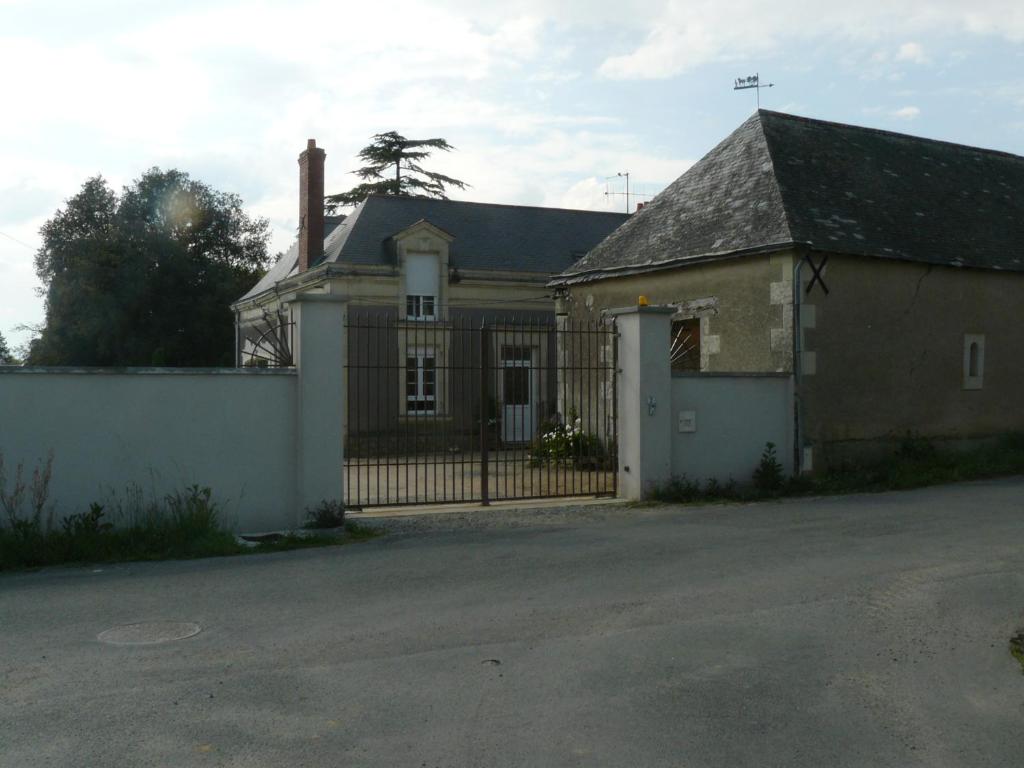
<point x="327" y="514"/>
<point x="86" y="523"/>
<point x="678" y="489"/>
<point x="916" y="448"/>
<point x="681" y="489"/>
<point x="916" y="463"/>
<point x="184" y="524"/>
<point x="568" y="445"/>
<point x="768" y="477"/>
<point x="716" y="490"/>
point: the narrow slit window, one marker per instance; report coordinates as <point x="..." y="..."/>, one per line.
<point x="974" y="361"/>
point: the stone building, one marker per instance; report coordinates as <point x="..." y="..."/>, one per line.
<point x="416" y="272"/>
<point x="884" y="272"/>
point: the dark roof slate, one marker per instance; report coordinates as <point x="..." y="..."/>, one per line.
<point x="487" y="236"/>
<point x="780" y="180"/>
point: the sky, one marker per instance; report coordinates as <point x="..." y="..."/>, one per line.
<point x="543" y="99"/>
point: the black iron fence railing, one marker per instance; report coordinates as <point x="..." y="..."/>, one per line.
<point x="471" y="409"/>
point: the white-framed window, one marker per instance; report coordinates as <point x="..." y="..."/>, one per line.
<point x="516" y="371"/>
<point x="419" y="307"/>
<point x="421" y="286"/>
<point x="974" y="360"/>
<point x="420" y="381"/>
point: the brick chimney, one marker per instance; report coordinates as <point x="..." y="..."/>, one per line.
<point x="311" y="205"/>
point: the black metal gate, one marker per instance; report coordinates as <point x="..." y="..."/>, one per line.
<point x="472" y="409"/>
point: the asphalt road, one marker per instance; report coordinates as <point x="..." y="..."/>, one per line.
<point x="859" y="631"/>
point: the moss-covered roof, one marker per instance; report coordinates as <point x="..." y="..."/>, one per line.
<point x="780" y="180"/>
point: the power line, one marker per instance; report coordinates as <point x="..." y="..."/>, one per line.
<point x="19" y="242"/>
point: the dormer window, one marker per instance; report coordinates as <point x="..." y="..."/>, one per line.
<point x="421" y="286"/>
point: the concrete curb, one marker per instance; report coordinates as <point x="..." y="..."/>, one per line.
<point x="372" y="513"/>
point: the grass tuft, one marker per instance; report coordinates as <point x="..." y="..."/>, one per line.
<point x="1017" y="648"/>
<point x="186" y="524"/>
<point x="916" y="464"/>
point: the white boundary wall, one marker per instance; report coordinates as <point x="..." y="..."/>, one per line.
<point x="702" y="426"/>
<point x="268" y="443"/>
<point x="162" y="429"/>
<point x="731" y="416"/>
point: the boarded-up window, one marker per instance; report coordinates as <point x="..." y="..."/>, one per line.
<point x="685" y="345"/>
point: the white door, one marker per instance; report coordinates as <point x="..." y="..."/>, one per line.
<point x="518" y="394"/>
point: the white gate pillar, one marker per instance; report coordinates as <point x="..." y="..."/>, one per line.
<point x="319" y="350"/>
<point x="644" y="390"/>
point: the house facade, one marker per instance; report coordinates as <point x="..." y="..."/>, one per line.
<point x="883" y="272"/>
<point x="421" y="276"/>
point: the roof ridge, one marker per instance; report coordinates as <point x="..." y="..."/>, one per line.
<point x="887" y="132"/>
<point x="497" y="205"/>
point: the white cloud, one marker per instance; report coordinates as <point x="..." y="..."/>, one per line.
<point x="229" y="91"/>
<point x="685" y="34"/>
<point x="906" y="113"/>
<point x="913" y="52"/>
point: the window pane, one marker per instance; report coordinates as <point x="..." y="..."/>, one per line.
<point x="685" y="345"/>
<point x="517" y="385"/>
<point x="421" y="378"/>
<point x="511" y="352"/>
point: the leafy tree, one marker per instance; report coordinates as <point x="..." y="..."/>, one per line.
<point x="6" y="356"/>
<point x="146" y="278"/>
<point x="393" y="168"/>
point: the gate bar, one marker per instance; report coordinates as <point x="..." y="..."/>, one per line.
<point x="484" y="338"/>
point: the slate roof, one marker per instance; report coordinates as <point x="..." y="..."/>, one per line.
<point x="781" y="180"/>
<point x="486" y="236"/>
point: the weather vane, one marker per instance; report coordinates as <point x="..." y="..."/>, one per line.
<point x="753" y="81"/>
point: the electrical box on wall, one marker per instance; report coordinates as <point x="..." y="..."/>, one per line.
<point x="687" y="421"/>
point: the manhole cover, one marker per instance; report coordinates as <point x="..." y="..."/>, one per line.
<point x="148" y="633"/>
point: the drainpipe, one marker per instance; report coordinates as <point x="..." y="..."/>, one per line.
<point x="798" y="439"/>
<point x="238" y="349"/>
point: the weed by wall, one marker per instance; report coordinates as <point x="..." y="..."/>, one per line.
<point x="185" y="524"/>
<point x="917" y="463"/>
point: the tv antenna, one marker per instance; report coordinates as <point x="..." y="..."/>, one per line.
<point x="752" y="81"/>
<point x="627" y="193"/>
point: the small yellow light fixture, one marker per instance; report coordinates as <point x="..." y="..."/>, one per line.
<point x="641" y="301"/>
